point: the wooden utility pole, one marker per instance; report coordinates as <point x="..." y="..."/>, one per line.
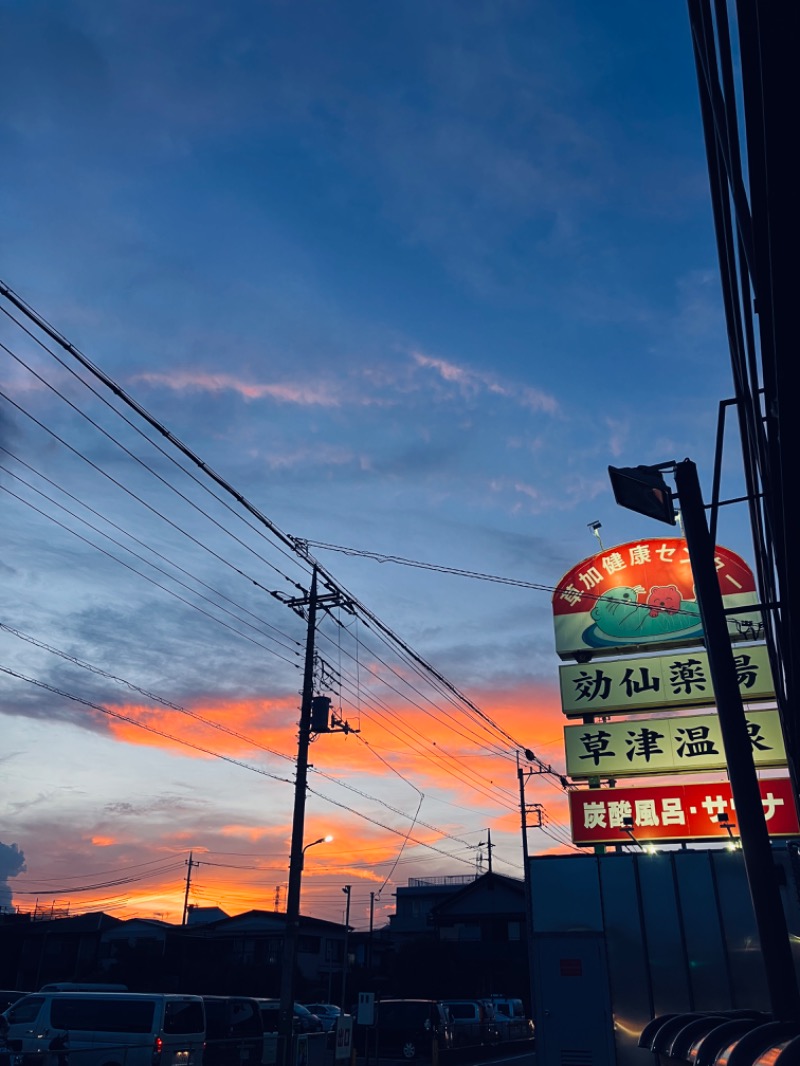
<point x="292" y="926"/>
<point x="189" y="866"/>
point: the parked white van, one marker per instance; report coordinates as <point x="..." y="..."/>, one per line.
<point x="510" y="1018"/>
<point x="106" y="1028"/>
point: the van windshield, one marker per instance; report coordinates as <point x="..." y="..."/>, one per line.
<point x="86" y="1013"/>
<point x="24" y="1010"/>
<point x="184" y="1016"/>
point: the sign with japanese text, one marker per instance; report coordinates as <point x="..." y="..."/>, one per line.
<point x="674" y="812"/>
<point x="658" y="682"/>
<point x="641" y="595"/>
<point x="666" y="745"/>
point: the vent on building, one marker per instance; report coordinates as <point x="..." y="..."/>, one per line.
<point x="575" y="1058"/>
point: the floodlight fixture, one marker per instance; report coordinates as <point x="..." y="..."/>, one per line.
<point x="724" y="820"/>
<point x="595" y="528"/>
<point x="627" y="828"/>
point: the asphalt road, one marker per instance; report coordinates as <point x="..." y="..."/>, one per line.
<point x="477" y="1056"/>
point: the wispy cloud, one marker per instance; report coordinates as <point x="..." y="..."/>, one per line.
<point x="304" y="395"/>
<point x="476" y="382"/>
<point x="322" y="456"/>
<point x="618" y="432"/>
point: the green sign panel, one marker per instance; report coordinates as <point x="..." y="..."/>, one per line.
<point x="673" y="745"/>
<point x="658" y="682"/>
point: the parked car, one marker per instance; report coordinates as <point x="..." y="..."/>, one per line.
<point x="472" y="1022"/>
<point x="107" y="1028"/>
<point x="412" y="1028"/>
<point x="234" y="1031"/>
<point x="303" y="1021"/>
<point x="81" y="986"/>
<point x="328" y="1014"/>
<point x="510" y="1018"/>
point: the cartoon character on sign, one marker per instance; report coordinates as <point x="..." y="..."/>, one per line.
<point x="628" y="614"/>
<point x="663" y="598"/>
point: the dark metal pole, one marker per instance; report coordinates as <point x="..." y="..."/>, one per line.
<point x="298" y="823"/>
<point x="371" y="928"/>
<point x="756" y="849"/>
<point x="343" y="1004"/>
<point x="188" y="885"/>
<point x="527" y="881"/>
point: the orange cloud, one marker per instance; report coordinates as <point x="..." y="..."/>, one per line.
<point x="225" y="727"/>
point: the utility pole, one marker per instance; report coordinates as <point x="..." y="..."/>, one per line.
<point x="305" y="728"/>
<point x="292" y="927"/>
<point x="189" y="866"/>
<point x="488" y="845"/>
<point x="371" y="926"/>
<point x="346" y="891"/>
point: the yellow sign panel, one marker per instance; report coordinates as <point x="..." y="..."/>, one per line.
<point x="674" y="745"/>
<point x="658" y="682"/>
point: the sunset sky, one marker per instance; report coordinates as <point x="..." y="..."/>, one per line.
<point x="408" y="278"/>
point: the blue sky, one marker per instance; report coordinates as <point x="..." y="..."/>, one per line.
<point x="409" y="277"/>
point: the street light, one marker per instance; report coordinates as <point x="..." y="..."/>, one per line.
<point x="322" y="840"/>
<point x="345" y="960"/>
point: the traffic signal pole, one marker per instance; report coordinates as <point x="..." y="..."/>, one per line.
<point x="756" y="848"/>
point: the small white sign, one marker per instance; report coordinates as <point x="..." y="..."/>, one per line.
<point x="366" y="1008"/>
<point x="344" y="1036"/>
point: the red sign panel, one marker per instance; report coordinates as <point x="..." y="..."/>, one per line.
<point x="641" y="595"/>
<point x="674" y="813"/>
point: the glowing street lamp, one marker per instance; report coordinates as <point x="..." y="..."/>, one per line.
<point x="322" y="840"/>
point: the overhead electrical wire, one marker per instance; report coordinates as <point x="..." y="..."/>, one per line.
<point x="152" y="422"/>
<point x="145" y="577"/>
<point x="138" y="540"/>
<point x="92" y="888"/>
<point x="198" y="747"/>
<point x="136" y="496"/>
<point x="130" y="492"/>
<point x="205" y="720"/>
<point x="147" y="562"/>
<point x="297" y="546"/>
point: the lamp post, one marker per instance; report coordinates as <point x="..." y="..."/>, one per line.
<point x="346" y="891"/>
<point x="642" y="489"/>
<point x="526" y="872"/>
